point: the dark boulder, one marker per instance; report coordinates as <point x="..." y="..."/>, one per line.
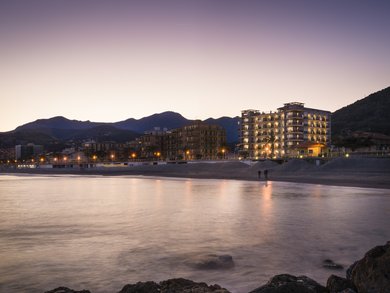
<point x="372" y="272"/>
<point x="337" y="284"/>
<point x="172" y="286"/>
<point x="141" y="287"/>
<point x="329" y="264"/>
<point x="184" y="285"/>
<point x="290" y="284"/>
<point x="212" y="262"/>
<point x="66" y="290"/>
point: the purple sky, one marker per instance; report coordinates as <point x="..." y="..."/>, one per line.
<point x="112" y="60"/>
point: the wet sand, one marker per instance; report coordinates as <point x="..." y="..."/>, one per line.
<point x="357" y="172"/>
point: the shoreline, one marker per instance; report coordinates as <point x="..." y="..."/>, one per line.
<point x="364" y="173"/>
<point x="369" y="274"/>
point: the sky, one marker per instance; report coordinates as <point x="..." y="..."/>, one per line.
<point x="108" y="61"/>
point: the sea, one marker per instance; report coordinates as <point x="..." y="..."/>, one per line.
<point x="100" y="232"/>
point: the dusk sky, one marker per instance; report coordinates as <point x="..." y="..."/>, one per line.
<point x="108" y="61"/>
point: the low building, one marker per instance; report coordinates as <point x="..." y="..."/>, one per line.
<point x="28" y="152"/>
<point x="278" y="134"/>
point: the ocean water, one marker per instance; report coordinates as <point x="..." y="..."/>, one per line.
<point x="100" y="233"/>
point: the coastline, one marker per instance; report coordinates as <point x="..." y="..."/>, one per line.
<point x="351" y="172"/>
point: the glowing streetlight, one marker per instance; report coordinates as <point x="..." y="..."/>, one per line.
<point x="55" y="159"/>
<point x="133" y="155"/>
<point x="41" y="160"/>
<point x="94" y="157"/>
<point x="78" y="158"/>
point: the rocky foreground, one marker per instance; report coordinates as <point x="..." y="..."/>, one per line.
<point x="371" y="274"/>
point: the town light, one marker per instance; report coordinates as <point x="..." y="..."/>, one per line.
<point x="78" y="158"/>
<point x="94" y="157"/>
<point x="133" y="155"/>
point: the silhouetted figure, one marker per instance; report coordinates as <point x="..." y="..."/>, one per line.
<point x="266" y="174"/>
<point x="259" y="174"/>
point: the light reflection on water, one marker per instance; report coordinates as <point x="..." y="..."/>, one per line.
<point x="100" y="233"/>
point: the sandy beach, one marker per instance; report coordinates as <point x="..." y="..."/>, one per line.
<point x="357" y="172"/>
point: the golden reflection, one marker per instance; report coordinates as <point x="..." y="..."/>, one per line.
<point x="267" y="206"/>
<point x="158" y="193"/>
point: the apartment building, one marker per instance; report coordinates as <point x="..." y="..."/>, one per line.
<point x="196" y="141"/>
<point x="291" y="131"/>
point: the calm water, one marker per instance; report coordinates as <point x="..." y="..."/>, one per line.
<point x="101" y="233"/>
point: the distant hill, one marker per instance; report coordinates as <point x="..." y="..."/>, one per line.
<point x="58" y="122"/>
<point x="105" y="133"/>
<point x="370" y="114"/>
<point x="60" y="129"/>
<point x="169" y="120"/>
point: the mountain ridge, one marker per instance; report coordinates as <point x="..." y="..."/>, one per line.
<point x="60" y="128"/>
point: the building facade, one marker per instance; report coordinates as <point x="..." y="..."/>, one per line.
<point x="28" y="152"/>
<point x="196" y="141"/>
<point x="285" y="132"/>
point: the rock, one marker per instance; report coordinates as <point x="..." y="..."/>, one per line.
<point x="141" y="287"/>
<point x="337" y="284"/>
<point x="290" y="284"/>
<point x="349" y="270"/>
<point x="372" y="272"/>
<point x="172" y="286"/>
<point x="183" y="285"/>
<point x="329" y="264"/>
<point x="347" y="291"/>
<point x="212" y="262"/>
<point x="66" y="290"/>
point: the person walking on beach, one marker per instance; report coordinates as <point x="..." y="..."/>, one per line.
<point x="259" y="174"/>
<point x="266" y="174"/>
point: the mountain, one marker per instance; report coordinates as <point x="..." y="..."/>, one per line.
<point x="60" y="129"/>
<point x="105" y="133"/>
<point x="169" y="120"/>
<point x="58" y="122"/>
<point x="370" y="114"/>
<point x="12" y="138"/>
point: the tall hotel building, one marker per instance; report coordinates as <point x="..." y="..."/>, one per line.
<point x="291" y="131"/>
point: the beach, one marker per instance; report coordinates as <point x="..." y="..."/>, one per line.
<point x="356" y="172"/>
